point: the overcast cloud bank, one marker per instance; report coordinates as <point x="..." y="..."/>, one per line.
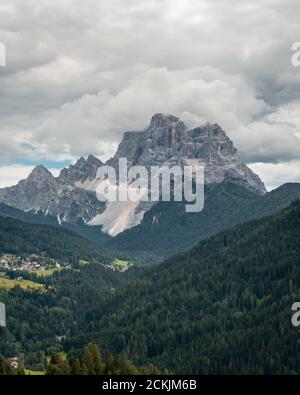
<point x="79" y="74"/>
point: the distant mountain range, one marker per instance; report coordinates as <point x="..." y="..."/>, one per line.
<point x="42" y="193"/>
<point x="71" y="198"/>
<point x="167" y="229"/>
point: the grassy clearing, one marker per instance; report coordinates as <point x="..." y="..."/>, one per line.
<point x="121" y="265"/>
<point x="46" y="273"/>
<point x="35" y="372"/>
<point x="9" y="283"/>
<point x="118" y="264"/>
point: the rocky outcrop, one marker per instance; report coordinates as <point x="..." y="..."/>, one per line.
<point x="167" y="142"/>
<point x="83" y="170"/>
<point x="34" y="193"/>
<point x="41" y="192"/>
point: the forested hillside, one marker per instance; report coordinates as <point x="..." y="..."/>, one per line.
<point x="223" y="307"/>
<point x="89" y="361"/>
<point x="38" y="321"/>
<point x="92" y="233"/>
<point x="168" y="229"/>
<point x="21" y="238"/>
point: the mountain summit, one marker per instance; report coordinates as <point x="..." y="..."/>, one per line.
<point x="83" y="170"/>
<point x="168" y="142"/>
<point x="165" y="142"/>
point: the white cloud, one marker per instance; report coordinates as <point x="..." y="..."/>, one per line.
<point x="276" y="174"/>
<point x="81" y="73"/>
<point x="196" y="95"/>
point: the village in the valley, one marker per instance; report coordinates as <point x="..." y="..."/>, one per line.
<point x="29" y="263"/>
<point x="41" y="264"/>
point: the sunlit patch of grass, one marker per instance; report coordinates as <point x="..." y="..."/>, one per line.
<point x="9" y="283"/>
<point x="35" y="372"/>
<point x="119" y="263"/>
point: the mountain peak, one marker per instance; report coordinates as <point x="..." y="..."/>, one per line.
<point x="80" y="160"/>
<point x="161" y="120"/>
<point x="82" y="170"/>
<point x="39" y="171"/>
<point x="90" y="160"/>
<point x="94" y="160"/>
<point x="168" y="142"/>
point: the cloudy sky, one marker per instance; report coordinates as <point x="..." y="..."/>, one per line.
<point x="80" y="73"/>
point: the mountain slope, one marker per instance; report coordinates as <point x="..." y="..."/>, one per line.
<point x="167" y="229"/>
<point x="36" y="319"/>
<point x="92" y="233"/>
<point x="21" y="238"/>
<point x="223" y="307"/>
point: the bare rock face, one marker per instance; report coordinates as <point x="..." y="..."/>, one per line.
<point x="42" y="193"/>
<point x="166" y="142"/>
<point x="155" y="146"/>
<point x="34" y="193"/>
<point x="83" y="170"/>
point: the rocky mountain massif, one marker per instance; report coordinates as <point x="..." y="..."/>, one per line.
<point x="41" y="192"/>
<point x="166" y="142"/>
